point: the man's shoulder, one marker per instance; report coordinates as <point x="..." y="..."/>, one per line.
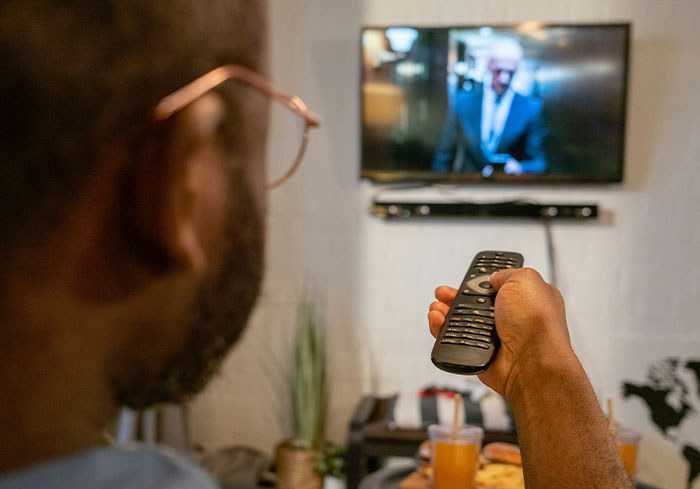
<point x="469" y="97"/>
<point x="532" y="103"/>
<point x="130" y="466"/>
<point x="476" y="90"/>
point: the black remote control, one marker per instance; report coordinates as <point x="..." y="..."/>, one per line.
<point x="468" y="339"/>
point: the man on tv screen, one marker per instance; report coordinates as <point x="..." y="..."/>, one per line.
<point x="491" y="128"/>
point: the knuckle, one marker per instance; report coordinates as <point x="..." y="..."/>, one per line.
<point x="557" y="293"/>
<point x="530" y="273"/>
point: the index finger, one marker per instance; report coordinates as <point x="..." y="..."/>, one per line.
<point x="445" y="294"/>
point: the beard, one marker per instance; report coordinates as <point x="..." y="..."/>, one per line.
<point x="218" y="315"/>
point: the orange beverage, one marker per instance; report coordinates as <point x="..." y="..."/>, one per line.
<point x="454" y="456"/>
<point x="627" y="441"/>
<point x="629" y="457"/>
<point x="454" y="465"/>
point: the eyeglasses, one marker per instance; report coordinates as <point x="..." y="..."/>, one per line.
<point x="184" y="96"/>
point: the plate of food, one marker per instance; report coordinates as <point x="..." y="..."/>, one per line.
<point x="499" y="467"/>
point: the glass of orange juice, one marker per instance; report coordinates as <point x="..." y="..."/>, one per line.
<point x="454" y="455"/>
<point x="627" y="442"/>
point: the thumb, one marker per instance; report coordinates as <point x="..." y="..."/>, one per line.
<point x="499" y="278"/>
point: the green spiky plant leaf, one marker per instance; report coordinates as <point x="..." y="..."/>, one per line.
<point x="309" y="389"/>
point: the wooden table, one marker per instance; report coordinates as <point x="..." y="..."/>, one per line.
<point x="415" y="480"/>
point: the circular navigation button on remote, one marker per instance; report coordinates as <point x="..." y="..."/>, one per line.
<point x="486" y="285"/>
<point x="475" y="285"/>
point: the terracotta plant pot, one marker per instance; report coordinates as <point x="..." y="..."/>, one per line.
<point x="296" y="466"/>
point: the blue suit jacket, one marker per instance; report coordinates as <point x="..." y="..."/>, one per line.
<point x="523" y="134"/>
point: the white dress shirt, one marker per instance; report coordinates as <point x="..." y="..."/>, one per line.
<point x="494" y="114"/>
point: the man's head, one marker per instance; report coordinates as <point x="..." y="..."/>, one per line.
<point x="141" y="241"/>
<point x="504" y="57"/>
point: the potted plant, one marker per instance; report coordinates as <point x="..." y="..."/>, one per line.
<point x="297" y="458"/>
<point x="331" y="464"/>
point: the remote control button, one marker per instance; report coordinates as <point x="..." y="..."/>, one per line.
<point x="469" y="318"/>
<point x="499" y="253"/>
<point x="486" y="310"/>
<point x="479" y="312"/>
<point x="483" y="321"/>
<point x="465" y="311"/>
<point x="474" y="343"/>
<point x="462" y="336"/>
<point x="466" y="317"/>
<point x="455" y="335"/>
<point x="474" y="302"/>
<point x="468" y="307"/>
<point x="487" y="328"/>
<point x="483" y="270"/>
<point x="473" y="312"/>
<point x="475" y="331"/>
<point x="474" y="284"/>
<point x="475" y="337"/>
<point x="464" y="327"/>
<point x="450" y="341"/>
<point x="460" y="312"/>
<point x="486" y="285"/>
<point x="458" y="325"/>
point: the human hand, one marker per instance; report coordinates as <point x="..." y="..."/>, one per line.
<point x="530" y="321"/>
<point x="513" y="167"/>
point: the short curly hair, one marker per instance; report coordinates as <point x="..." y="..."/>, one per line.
<point x="76" y="73"/>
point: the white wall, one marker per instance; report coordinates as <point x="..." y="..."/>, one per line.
<point x="631" y="278"/>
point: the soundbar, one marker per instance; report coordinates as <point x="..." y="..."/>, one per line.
<point x="528" y="210"/>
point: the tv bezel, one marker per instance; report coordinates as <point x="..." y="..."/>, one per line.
<point x="430" y="177"/>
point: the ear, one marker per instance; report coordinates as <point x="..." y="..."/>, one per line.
<point x="179" y="187"/>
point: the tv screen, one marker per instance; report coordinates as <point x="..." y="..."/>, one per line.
<point x="530" y="103"/>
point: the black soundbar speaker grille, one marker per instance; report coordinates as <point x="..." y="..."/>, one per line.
<point x="423" y="210"/>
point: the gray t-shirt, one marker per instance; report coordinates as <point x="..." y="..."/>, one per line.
<point x="130" y="466"/>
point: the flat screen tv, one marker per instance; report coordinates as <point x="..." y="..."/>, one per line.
<point x="530" y="103"/>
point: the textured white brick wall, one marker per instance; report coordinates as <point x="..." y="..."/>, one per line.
<point x="632" y="275"/>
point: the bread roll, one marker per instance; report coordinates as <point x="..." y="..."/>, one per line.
<point x="503" y="452"/>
